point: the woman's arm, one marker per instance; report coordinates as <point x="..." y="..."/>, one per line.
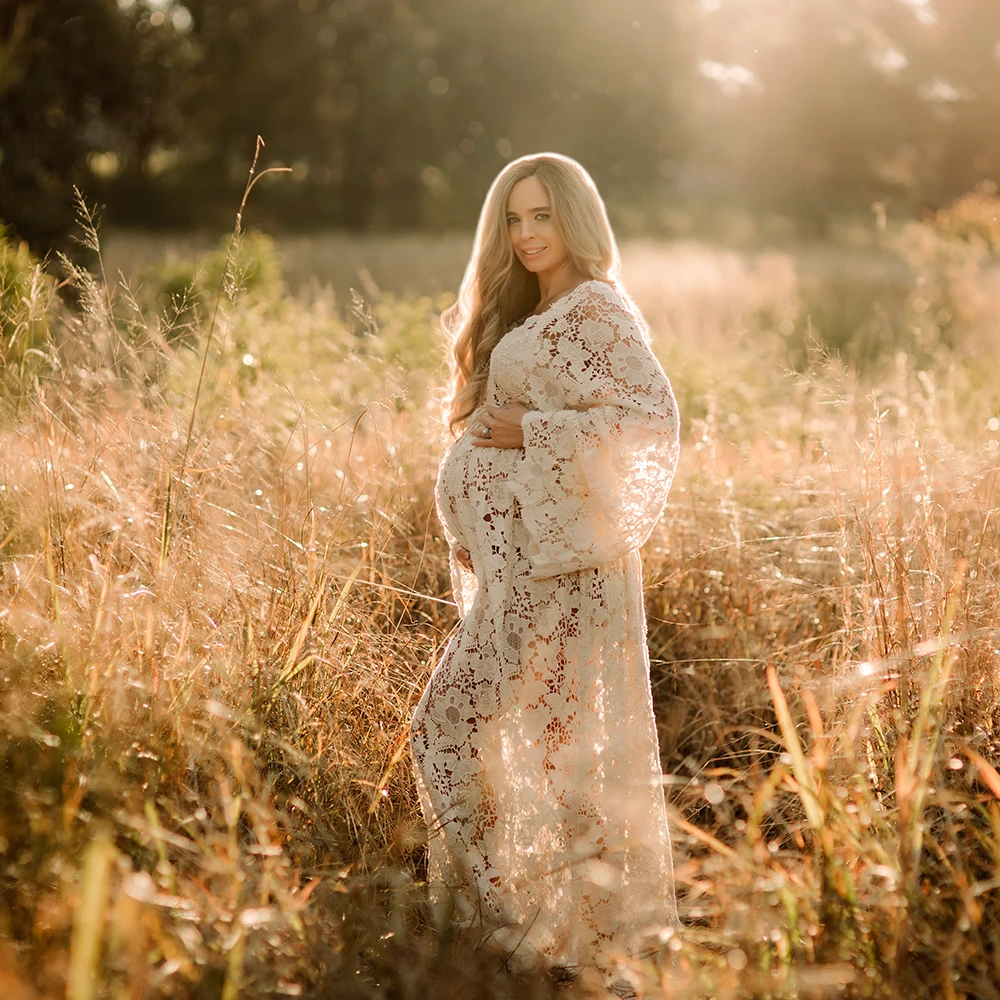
<point x="594" y="478"/>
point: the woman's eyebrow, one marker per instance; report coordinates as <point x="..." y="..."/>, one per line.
<point x="542" y="208"/>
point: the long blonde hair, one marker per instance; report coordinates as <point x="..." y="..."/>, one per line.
<point x="498" y="290"/>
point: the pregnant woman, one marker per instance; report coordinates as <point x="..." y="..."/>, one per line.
<point x="534" y="744"/>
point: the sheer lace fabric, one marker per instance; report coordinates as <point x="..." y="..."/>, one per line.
<point x="534" y="744"/>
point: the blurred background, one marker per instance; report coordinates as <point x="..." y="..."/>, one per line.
<point x="733" y="121"/>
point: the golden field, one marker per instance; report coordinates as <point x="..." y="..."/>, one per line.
<point x="224" y="587"/>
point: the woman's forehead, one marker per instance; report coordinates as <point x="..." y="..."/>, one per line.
<point x="528" y="193"/>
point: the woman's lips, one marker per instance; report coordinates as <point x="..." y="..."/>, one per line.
<point x="533" y="251"/>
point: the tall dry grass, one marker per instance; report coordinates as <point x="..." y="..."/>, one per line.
<point x="216" y="620"/>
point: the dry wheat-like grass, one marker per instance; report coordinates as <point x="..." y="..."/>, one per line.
<point x="216" y="619"/>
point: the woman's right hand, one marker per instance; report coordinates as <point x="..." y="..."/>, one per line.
<point x="464" y="557"/>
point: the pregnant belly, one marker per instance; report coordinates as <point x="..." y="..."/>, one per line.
<point x="472" y="486"/>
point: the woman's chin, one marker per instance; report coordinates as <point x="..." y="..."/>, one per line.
<point x="534" y="263"/>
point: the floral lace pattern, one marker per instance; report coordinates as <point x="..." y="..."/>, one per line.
<point x="534" y="744"/>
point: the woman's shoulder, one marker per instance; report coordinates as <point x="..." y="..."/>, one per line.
<point x="604" y="301"/>
<point x="591" y="287"/>
<point x="592" y="291"/>
<point x="598" y="305"/>
<point x="602" y="293"/>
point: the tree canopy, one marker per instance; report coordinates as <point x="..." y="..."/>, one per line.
<point x="396" y="114"/>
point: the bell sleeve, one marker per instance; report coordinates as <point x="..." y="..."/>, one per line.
<point x="594" y="476"/>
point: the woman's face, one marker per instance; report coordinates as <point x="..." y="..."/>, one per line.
<point x="533" y="233"/>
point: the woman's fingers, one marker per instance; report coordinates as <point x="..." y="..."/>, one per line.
<point x="482" y="431"/>
<point x="499" y="427"/>
<point x="464" y="557"/>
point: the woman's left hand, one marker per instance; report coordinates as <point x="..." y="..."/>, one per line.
<point x="499" y="426"/>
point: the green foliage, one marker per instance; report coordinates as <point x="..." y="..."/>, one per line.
<point x="397" y="116"/>
<point x="287" y="355"/>
<point x="83" y="87"/>
<point x="290" y="355"/>
<point x="953" y="254"/>
<point x="185" y="290"/>
<point x="27" y="298"/>
<point x="856" y="317"/>
<point x="250" y="266"/>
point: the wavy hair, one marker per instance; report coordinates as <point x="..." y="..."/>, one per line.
<point x="498" y="290"/>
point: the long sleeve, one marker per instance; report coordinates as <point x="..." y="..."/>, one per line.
<point x="595" y="476"/>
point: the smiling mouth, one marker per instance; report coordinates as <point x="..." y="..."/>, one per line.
<point x="533" y="252"/>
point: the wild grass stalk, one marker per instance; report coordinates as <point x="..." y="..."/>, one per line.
<point x="227" y="286"/>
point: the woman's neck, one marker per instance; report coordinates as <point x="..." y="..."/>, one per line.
<point x="554" y="283"/>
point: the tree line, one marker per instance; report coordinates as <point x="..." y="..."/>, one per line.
<point x="396" y="114"/>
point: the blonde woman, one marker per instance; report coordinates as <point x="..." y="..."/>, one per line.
<point x="534" y="743"/>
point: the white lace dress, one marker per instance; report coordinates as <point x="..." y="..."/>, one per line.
<point x="534" y="744"/>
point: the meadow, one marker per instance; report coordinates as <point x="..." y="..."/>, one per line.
<point x="224" y="587"/>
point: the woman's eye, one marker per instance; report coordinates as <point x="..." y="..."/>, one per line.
<point x="511" y="219"/>
<point x="541" y="217"/>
